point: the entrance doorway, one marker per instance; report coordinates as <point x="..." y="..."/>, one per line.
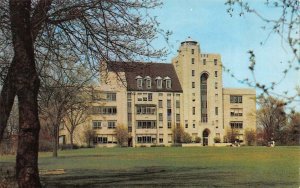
<point x="205" y="135"/>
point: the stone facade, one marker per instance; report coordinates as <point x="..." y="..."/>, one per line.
<point x="151" y="99"/>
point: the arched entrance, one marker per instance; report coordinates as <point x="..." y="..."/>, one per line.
<point x="205" y="135"/>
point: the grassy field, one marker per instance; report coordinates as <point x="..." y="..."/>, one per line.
<point x="172" y="166"/>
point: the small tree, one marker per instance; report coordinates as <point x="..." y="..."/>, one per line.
<point x="217" y="140"/>
<point x="89" y="134"/>
<point x="178" y="134"/>
<point x="198" y="139"/>
<point x="250" y="136"/>
<point x="232" y="135"/>
<point x="122" y="135"/>
<point x="187" y="138"/>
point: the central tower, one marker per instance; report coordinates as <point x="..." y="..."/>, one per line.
<point x="200" y="76"/>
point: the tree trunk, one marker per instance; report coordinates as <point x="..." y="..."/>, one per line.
<point x="26" y="83"/>
<point x="55" y="140"/>
<point x="71" y="139"/>
<point x="7" y="97"/>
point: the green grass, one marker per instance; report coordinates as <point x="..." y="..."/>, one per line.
<point x="172" y="166"/>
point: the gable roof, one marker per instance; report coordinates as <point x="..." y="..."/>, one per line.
<point x="153" y="70"/>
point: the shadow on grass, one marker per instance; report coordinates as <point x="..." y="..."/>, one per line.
<point x="140" y="177"/>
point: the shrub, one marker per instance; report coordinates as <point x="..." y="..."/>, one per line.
<point x="250" y="136"/>
<point x="217" y="140"/>
<point x="198" y="139"/>
<point x="122" y="135"/>
<point x="187" y="138"/>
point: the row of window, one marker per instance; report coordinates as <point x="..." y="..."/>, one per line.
<point x="144" y="96"/>
<point x="104" y="96"/>
<point x="105" y="110"/>
<point x="236" y="99"/>
<point x="98" y="124"/>
<point x="236" y="125"/>
<point x="145" y="110"/>
<point x="147" y="81"/>
<point x="204" y="61"/>
<point x="151" y="139"/>
<point x="104" y="139"/>
<point x="216" y="73"/>
<point x="236" y="112"/>
<point x="204" y="89"/>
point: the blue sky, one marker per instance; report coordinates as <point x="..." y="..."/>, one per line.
<point x="207" y="22"/>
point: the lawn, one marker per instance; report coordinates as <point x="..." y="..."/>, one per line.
<point x="172" y="166"/>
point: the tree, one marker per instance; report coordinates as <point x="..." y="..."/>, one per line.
<point x="75" y="116"/>
<point x="88" y="30"/>
<point x="272" y="119"/>
<point x="232" y="135"/>
<point x="250" y="136"/>
<point x="122" y="135"/>
<point x="178" y="133"/>
<point x="284" y="23"/>
<point x="294" y="129"/>
<point x="62" y="95"/>
<point x="89" y="134"/>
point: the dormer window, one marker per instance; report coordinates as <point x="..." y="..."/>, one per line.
<point x="139" y="81"/>
<point x="158" y="82"/>
<point x="168" y="82"/>
<point x="148" y="82"/>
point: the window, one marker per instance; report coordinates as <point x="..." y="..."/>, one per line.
<point x="194" y="110"/>
<point x="193" y="60"/>
<point x="177" y="103"/>
<point x="168" y="103"/>
<point x="194" y="126"/>
<point x="170" y="136"/>
<point x="111" y="124"/>
<point x="168" y="83"/>
<point x="103" y="96"/>
<point x="145" y="110"/>
<point x="129" y="118"/>
<point x="216" y="111"/>
<point x="103" y="110"/>
<point x="146" y="139"/>
<point x="193" y="84"/>
<point x="150" y="96"/>
<point x="161" y="138"/>
<point x="204" y="61"/>
<point x="159" y="84"/>
<point x="128" y="96"/>
<point x="160" y="117"/>
<point x="215" y="61"/>
<point x="146" y="124"/>
<point x="186" y="125"/>
<point x="140" y="97"/>
<point x="169" y="125"/>
<point x="160" y="103"/>
<point x="203" y="97"/>
<point x="100" y="140"/>
<point x="236" y="99"/>
<point x="139" y="81"/>
<point x="148" y="82"/>
<point x="216" y="85"/>
<point x="193" y="51"/>
<point x="236" y="112"/>
<point x="216" y="73"/>
<point x="193" y="72"/>
<point x="236" y="125"/>
<point x="97" y="125"/>
<point x="177" y="117"/>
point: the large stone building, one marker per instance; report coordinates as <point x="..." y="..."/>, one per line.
<point x="151" y="99"/>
